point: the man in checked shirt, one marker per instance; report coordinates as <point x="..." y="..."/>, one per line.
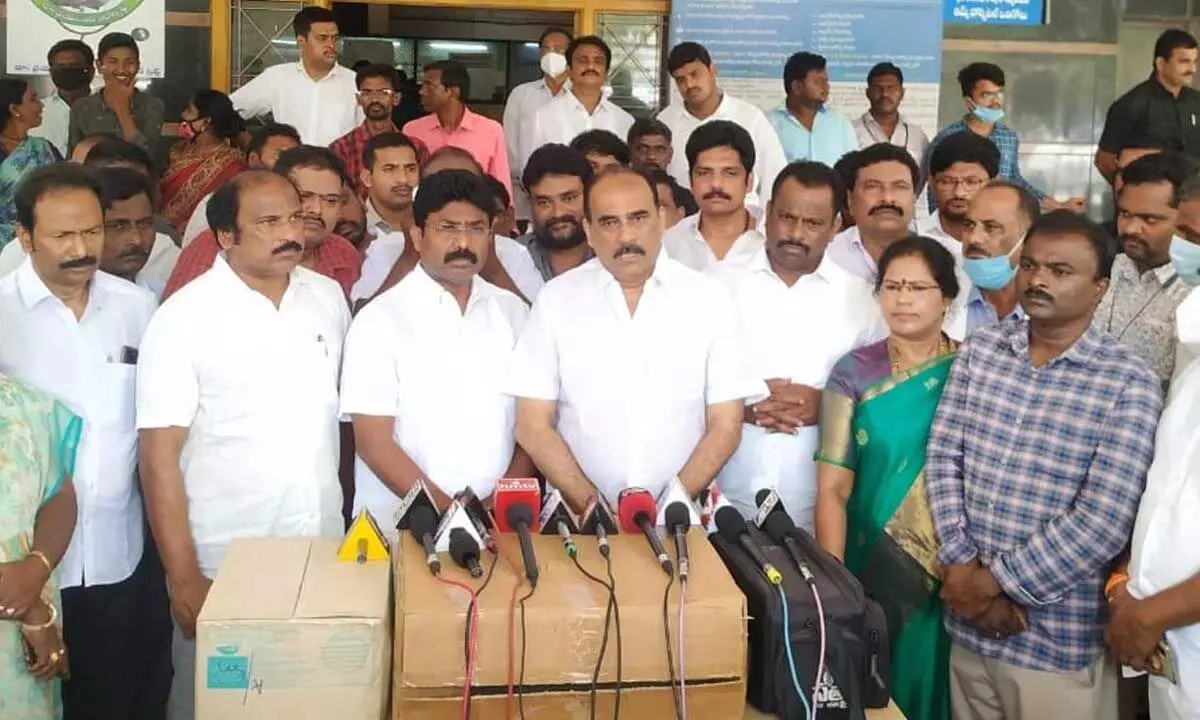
<point x="1036" y="461"/>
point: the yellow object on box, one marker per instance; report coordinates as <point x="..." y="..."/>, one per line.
<point x="364" y="541"/>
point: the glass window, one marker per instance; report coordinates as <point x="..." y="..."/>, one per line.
<point x="636" y="75"/>
<point x="262" y="37"/>
<point x="486" y="63"/>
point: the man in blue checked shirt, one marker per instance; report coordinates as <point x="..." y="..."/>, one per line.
<point x="1036" y="460"/>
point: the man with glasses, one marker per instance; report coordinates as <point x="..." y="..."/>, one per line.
<point x="959" y="167"/>
<point x="378" y="96"/>
<point x="316" y="95"/>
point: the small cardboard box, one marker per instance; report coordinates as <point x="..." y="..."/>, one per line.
<point x="288" y="631"/>
<point x="564" y="628"/>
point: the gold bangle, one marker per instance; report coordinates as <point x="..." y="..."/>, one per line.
<point x="46" y="625"/>
<point x="41" y="556"/>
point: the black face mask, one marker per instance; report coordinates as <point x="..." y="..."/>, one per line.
<point x="70" y="78"/>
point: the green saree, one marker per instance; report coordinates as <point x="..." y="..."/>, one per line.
<point x="876" y="424"/>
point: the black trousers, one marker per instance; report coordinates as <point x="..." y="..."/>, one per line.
<point x="118" y="639"/>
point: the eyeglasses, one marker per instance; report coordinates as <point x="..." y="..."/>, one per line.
<point x="471" y="230"/>
<point x="952" y="183"/>
<point x="891" y="287"/>
<point x="384" y="94"/>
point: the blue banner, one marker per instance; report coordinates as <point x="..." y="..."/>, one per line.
<point x="995" y="12"/>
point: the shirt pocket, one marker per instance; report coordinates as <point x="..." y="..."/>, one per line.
<point x="116" y="409"/>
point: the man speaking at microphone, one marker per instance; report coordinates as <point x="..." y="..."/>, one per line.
<point x="629" y="372"/>
<point x="420" y="380"/>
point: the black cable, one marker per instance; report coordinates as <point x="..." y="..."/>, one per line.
<point x="670" y="656"/>
<point x="603" y="640"/>
<point x="612" y="583"/>
<point x="467" y="625"/>
<point x="521" y="682"/>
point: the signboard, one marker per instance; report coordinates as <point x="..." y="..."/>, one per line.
<point x="995" y="12"/>
<point x="35" y="25"/>
<point x="751" y="40"/>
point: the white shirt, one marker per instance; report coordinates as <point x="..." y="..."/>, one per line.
<point x="414" y="355"/>
<point x="797" y="333"/>
<point x="385" y="250"/>
<point x="907" y="135"/>
<point x="257" y="387"/>
<point x="632" y="391"/>
<point x="321" y="110"/>
<point x="87" y="365"/>
<point x="768" y="152"/>
<point x="931" y="227"/>
<point x="56" y="123"/>
<point x="153" y="276"/>
<point x="524" y="100"/>
<point x="564" y="117"/>
<point x="686" y="245"/>
<point x="198" y="222"/>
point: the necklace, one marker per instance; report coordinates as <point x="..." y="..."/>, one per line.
<point x="894" y="356"/>
<point x="1113" y="307"/>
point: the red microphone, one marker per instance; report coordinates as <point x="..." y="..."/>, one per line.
<point x="517" y="503"/>
<point x="635" y="508"/>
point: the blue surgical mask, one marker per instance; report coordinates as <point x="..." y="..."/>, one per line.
<point x="1185" y="258"/>
<point x="991" y="116"/>
<point x="991" y="273"/>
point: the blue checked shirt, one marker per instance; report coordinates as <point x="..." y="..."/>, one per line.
<point x="1006" y="141"/>
<point x="1037" y="472"/>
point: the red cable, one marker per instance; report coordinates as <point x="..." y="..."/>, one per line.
<point x="472" y="641"/>
<point x="510" y="699"/>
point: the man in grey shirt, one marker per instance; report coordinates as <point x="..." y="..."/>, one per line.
<point x="555" y="177"/>
<point x="118" y="108"/>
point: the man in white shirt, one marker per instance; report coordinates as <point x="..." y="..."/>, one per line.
<point x="584" y="106"/>
<point x="799" y="314"/>
<point x="720" y="156"/>
<point x="72" y="67"/>
<point x="237" y="402"/>
<point x="74" y="333"/>
<point x="390" y="173"/>
<point x="959" y="167"/>
<point x="883" y="121"/>
<point x="526" y="99"/>
<point x="316" y="95"/>
<point x="434" y="342"/>
<point x="1159" y="606"/>
<point x="266" y="145"/>
<point x="881" y="194"/>
<point x="630" y="371"/>
<point x="695" y="76"/>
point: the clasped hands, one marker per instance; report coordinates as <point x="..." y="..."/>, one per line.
<point x="971" y="591"/>
<point x="789" y="407"/>
<point x="21" y="586"/>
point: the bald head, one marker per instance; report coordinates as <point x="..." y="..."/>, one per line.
<point x="451" y="158"/>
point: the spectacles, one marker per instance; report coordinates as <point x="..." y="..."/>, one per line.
<point x="952" y="183"/>
<point x="472" y="230"/>
<point x="385" y="94"/>
<point x="891" y="287"/>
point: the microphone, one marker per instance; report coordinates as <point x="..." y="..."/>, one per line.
<point x="455" y="518"/>
<point x="556" y="519"/>
<point x="774" y="520"/>
<point x="417" y="496"/>
<point x="734" y="530"/>
<point x="679" y="519"/>
<point x="517" y="503"/>
<point x="465" y="551"/>
<point x="598" y="520"/>
<point x="422" y="523"/>
<point x="636" y="509"/>
<point x="479" y="516"/>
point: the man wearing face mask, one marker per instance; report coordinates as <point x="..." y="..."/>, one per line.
<point x="794" y="347"/>
<point x="118" y="108"/>
<point x="526" y="99"/>
<point x="995" y="226"/>
<point x="1185" y="257"/>
<point x="319" y="177"/>
<point x="554" y="179"/>
<point x="1139" y="308"/>
<point x="72" y="67"/>
<point x="377" y="96"/>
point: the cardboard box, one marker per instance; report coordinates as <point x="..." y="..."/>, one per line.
<point x="288" y="631"/>
<point x="564" y="628"/>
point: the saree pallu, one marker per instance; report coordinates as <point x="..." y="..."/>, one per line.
<point x="891" y="545"/>
<point x="33" y="153"/>
<point x="194" y="175"/>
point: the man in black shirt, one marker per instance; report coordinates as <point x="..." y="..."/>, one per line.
<point x="1164" y="107"/>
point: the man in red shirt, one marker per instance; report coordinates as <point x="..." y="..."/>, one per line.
<point x="377" y="96"/>
<point x="321" y="180"/>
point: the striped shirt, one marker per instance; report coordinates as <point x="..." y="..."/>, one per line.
<point x="1037" y="473"/>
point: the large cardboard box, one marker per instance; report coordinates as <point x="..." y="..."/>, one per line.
<point x="564" y="627"/>
<point x="290" y="632"/>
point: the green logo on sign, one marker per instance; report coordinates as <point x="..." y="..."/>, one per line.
<point x="87" y="13"/>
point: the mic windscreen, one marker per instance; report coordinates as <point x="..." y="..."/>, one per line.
<point x="730" y="524"/>
<point x="778" y="526"/>
<point x="422" y="521"/>
<point x="519" y="513"/>
<point x="632" y="504"/>
<point x="462" y="546"/>
<point x="677" y="516"/>
<point x="761" y="496"/>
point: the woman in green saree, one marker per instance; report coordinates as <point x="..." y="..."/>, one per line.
<point x="872" y="511"/>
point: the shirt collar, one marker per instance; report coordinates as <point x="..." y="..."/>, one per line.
<point x="664" y="273"/>
<point x="1127" y="270"/>
<point x="226" y="276"/>
<point x="34" y="290"/>
<point x="827" y="270"/>
<point x="1081" y="353"/>
<point x="333" y="72"/>
<point x="430" y="289"/>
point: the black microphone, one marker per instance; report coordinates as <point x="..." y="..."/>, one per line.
<point x="635" y="507"/>
<point x="465" y="551"/>
<point x="598" y="520"/>
<point x="520" y="518"/>
<point x="733" y="529"/>
<point x="422" y="523"/>
<point x="774" y="520"/>
<point x="678" y="520"/>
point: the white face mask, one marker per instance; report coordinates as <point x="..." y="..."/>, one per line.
<point x="554" y="64"/>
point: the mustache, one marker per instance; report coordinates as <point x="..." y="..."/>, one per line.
<point x="629" y="249"/>
<point x="289" y="246"/>
<point x="885" y="207"/>
<point x="591" y="72"/>
<point x="1132" y="239"/>
<point x="795" y="244"/>
<point x="1036" y="294"/>
<point x="461" y="254"/>
<point x="397" y="189"/>
<point x="717" y="194"/>
<point x="315" y="218"/>
<point x="134" y="251"/>
<point x="79" y="262"/>
<point x="379" y="105"/>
